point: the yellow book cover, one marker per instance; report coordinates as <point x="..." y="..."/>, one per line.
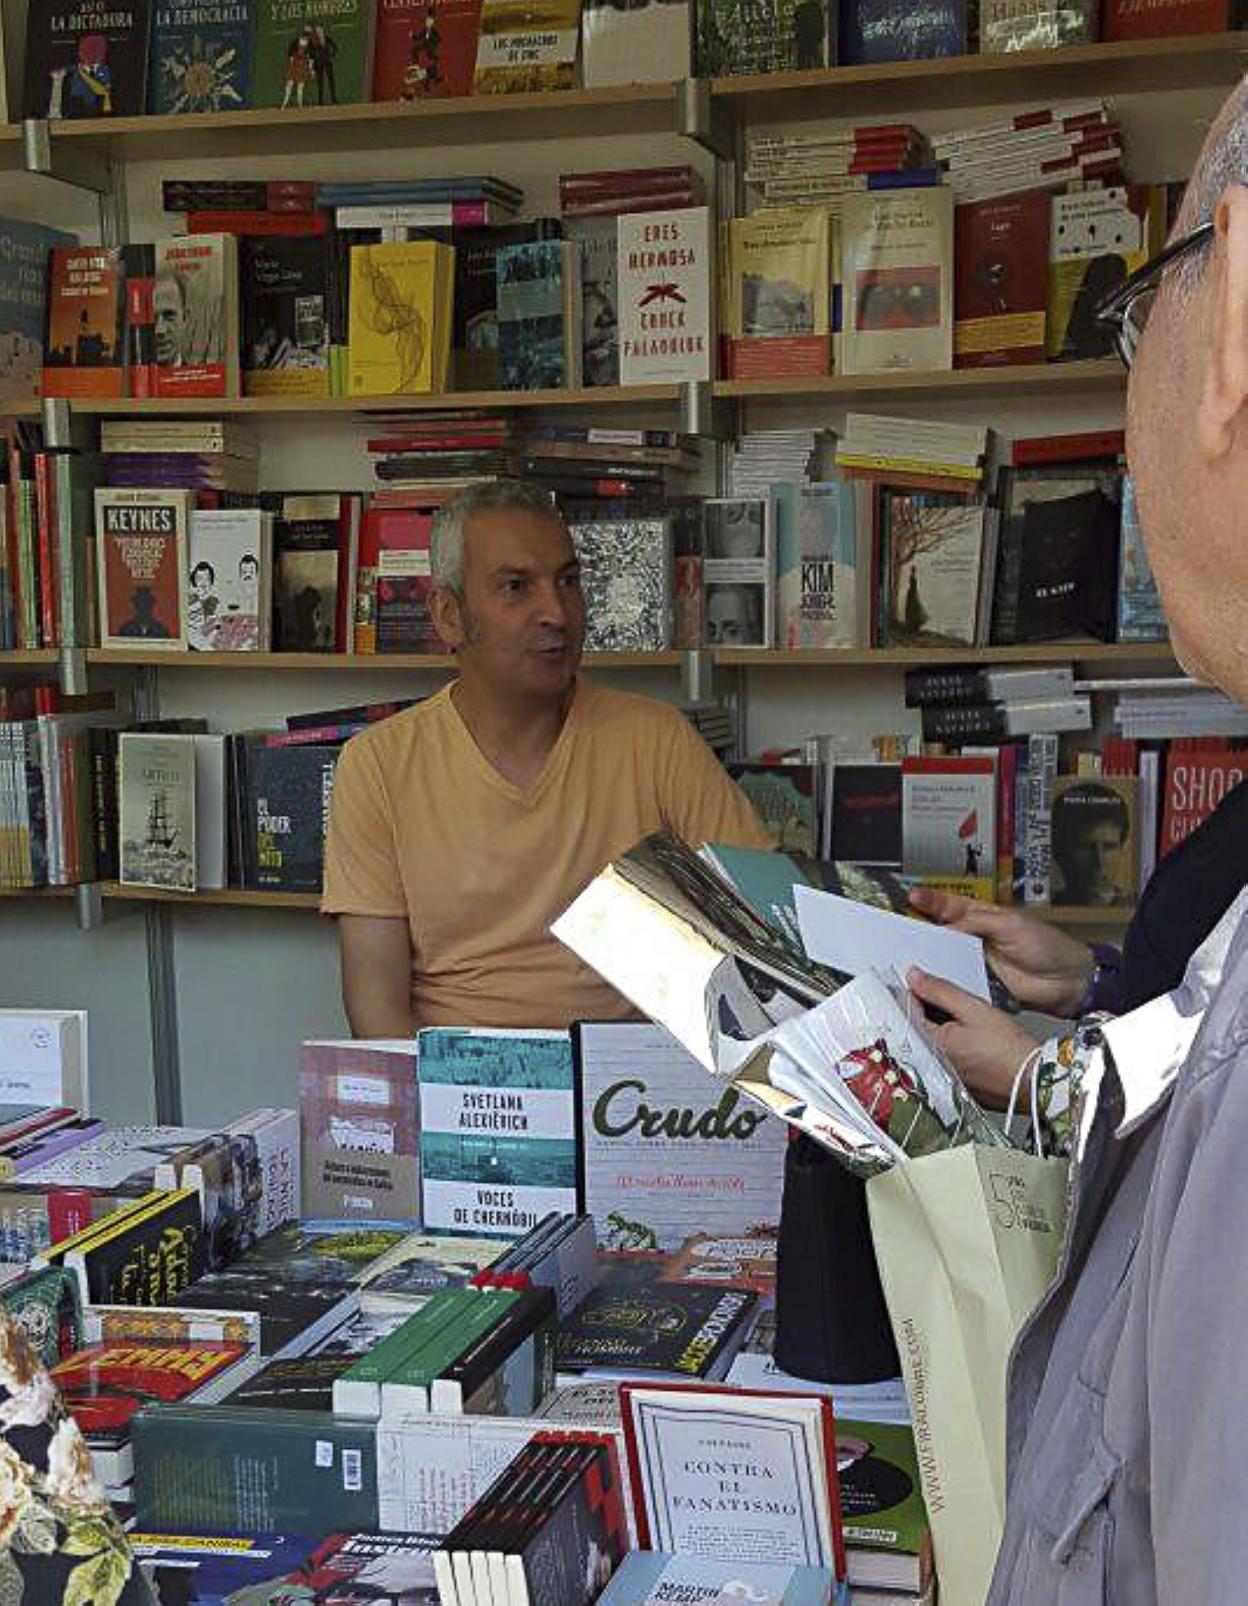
<point x="1096" y="238"/>
<point x="107" y="1226"/>
<point x="779" y="293"/>
<point x="527" y="45"/>
<point x="400" y="318"/>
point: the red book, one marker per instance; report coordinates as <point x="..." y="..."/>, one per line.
<point x="287" y="224"/>
<point x="69" y="1211"/>
<point x="426" y="49"/>
<point x="1068" y="448"/>
<point x="45" y="514"/>
<point x="1196" y="782"/>
<point x="84" y="351"/>
<point x="393" y="582"/>
<point x="13" y="538"/>
<point x="104" y="1385"/>
<point x="1001" y="287"/>
<point x="437" y="443"/>
<point x="630" y="179"/>
<point x="1153" y="19"/>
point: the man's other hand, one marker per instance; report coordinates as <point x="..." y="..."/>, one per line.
<point x="985" y="1046"/>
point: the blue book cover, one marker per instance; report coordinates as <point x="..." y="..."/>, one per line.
<point x="209" y="1568"/>
<point x="200" y="56"/>
<point x="1140" y="614"/>
<point x="498" y="1138"/>
<point x="896" y="30"/>
<point x="24" y="251"/>
<point x="533" y="327"/>
<point x="646" y="1577"/>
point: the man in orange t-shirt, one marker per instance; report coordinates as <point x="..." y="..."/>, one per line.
<point x="462" y="827"/>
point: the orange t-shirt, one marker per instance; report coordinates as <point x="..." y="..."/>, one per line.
<point x="422" y="826"/>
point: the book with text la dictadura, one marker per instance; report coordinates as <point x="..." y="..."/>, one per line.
<point x="24" y="286"/>
<point x="527" y="47"/>
<point x="156" y="783"/>
<point x="360" y="1120"/>
<point x="286" y="290"/>
<point x="1001" y="247"/>
<point x="85" y="60"/>
<point x="200" y="56"/>
<point x="400" y="318"/>
<point x="285" y="813"/>
<point x="425" y="49"/>
<point x="312" y="52"/>
<point x="631" y="1327"/>
<point x="314" y="537"/>
<point x="664" y="286"/>
<point x="538" y="300"/>
<point x="897" y="278"/>
<point x="141" y="557"/>
<point x="84" y="344"/>
<point x="229" y="580"/>
<point x="778" y="295"/>
<point x="195" y="312"/>
<point x="498" y="1129"/>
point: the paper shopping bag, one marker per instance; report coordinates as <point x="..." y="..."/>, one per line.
<point x="967" y="1241"/>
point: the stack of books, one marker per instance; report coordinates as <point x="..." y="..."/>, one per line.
<point x="819" y="169"/>
<point x="1042" y="149"/>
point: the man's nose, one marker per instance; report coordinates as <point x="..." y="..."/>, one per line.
<point x="552" y="605"/>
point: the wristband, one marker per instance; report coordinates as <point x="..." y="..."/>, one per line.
<point x="1104" y="992"/>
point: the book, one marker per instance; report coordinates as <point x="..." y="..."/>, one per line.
<point x="425" y="48"/>
<point x="399" y="330"/>
<point x="1006" y="25"/>
<point x="1196" y="781"/>
<point x="538" y="300"/>
<point x="1057" y="568"/>
<point x="1001" y="288"/>
<point x="142" y="550"/>
<point x="648" y="43"/>
<point x="229" y="580"/>
<point x="945" y="687"/>
<point x="1036" y="824"/>
<point x="474" y="336"/>
<point x="83" y="60"/>
<point x="286" y="793"/>
<point x="1141" y="616"/>
<point x="980" y="722"/>
<point x="877" y="30"/>
<point x="786" y="800"/>
<point x="312" y="53"/>
<point x="1097" y="237"/>
<point x="727" y="1262"/>
<point x="200" y="56"/>
<point x="24" y="284"/>
<point x="626" y="578"/>
<point x="1095" y="843"/>
<point x="314" y="547"/>
<point x="43" y="1057"/>
<point x="214" y="1567"/>
<point x="287" y="289"/>
<point x="652" y="1578"/>
<point x="738" y="572"/>
<point x="498" y="1129"/>
<point x="933" y="545"/>
<point x="888" y="1542"/>
<point x="1137" y="19"/>
<point x="778" y="294"/>
<point x="526" y="49"/>
<point x="664" y="1149"/>
<point x="665" y="280"/>
<point x="823" y="585"/>
<point x="421" y="1265"/>
<point x="637" y="1327"/>
<point x="897" y="273"/>
<point x="195" y="309"/>
<point x="507" y="1370"/>
<point x="85" y="309"/>
<point x="948" y="821"/>
<point x="144" y="1256"/>
<point x="359" y="1110"/>
<point x="156" y="782"/>
<point x="43" y="1302"/>
<point x="600" y="319"/>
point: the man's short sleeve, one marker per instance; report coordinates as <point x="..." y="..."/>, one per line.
<point x="701" y="802"/>
<point x="361" y="858"/>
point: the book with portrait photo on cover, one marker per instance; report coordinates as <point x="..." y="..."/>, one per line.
<point x="195" y="315"/>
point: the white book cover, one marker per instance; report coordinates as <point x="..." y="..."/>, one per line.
<point x="664" y="284"/>
<point x="229" y="580"/>
<point x="897" y="273"/>
<point x="43" y="1057"/>
<point x="635" y="44"/>
<point x="738" y="571"/>
<point x="948" y="817"/>
<point x="122" y="1154"/>
<point x="156" y="787"/>
<point x="666" y="1149"/>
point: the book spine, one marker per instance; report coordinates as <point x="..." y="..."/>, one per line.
<point x="410" y="1387"/>
<point x="289" y="225"/>
<point x="45" y="523"/>
<point x="1041" y="773"/>
<point x="532" y="1317"/>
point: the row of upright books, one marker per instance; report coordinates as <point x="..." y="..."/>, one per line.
<point x="169" y="57"/>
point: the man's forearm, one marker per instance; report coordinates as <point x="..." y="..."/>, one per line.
<point x="380" y="1017"/>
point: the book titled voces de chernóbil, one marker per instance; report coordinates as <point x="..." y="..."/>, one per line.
<point x="85" y="59"/>
<point x="200" y="56"/>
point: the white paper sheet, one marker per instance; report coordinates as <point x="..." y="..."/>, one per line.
<point x="854" y="937"/>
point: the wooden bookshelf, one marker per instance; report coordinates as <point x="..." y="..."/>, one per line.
<point x="1044" y="652"/>
<point x="1040" y="379"/>
<point x="37" y="892"/>
<point x="28" y="658"/>
<point x="485" y="400"/>
<point x="233" y="897"/>
<point x="1126" y="67"/>
<point x="328" y="662"/>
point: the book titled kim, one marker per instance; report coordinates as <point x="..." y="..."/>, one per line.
<point x="498" y="1142"/>
<point x="141" y="561"/>
<point x="626" y="575"/>
<point x="85" y="58"/>
<point x="200" y="56"/>
<point x="664" y="287"/>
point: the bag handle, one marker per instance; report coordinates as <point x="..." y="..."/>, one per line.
<point x="1029" y="1067"/>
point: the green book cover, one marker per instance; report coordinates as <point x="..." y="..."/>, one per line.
<point x="225" y="1469"/>
<point x="765" y="879"/>
<point x="385" y="1359"/>
<point x="419" y="1367"/>
<point x="313" y="52"/>
<point x="881" y="1501"/>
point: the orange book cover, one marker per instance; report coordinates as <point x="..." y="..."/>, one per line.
<point x="84" y="348"/>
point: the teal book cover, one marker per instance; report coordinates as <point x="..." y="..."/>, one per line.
<point x="498" y="1142"/>
<point x="765" y="880"/>
<point x="200" y="56"/>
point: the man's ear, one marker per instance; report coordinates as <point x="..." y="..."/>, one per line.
<point x="447" y="616"/>
<point x="1224" y="395"/>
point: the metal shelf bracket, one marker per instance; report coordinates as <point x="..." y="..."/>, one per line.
<point x="85" y="166"/>
<point x="702" y="119"/>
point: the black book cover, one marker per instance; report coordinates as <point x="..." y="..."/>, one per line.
<point x="1068" y="567"/>
<point x="296" y="1383"/>
<point x="866" y="814"/>
<point x="305" y="571"/>
<point x="285" y="1309"/>
<point x="104" y="801"/>
<point x="287" y="296"/>
<point x="288" y="793"/>
<point x="86" y="59"/>
<point x="474" y="318"/>
<point x="580" y="1540"/>
<point x="672" y="1328"/>
<point x="153" y="1261"/>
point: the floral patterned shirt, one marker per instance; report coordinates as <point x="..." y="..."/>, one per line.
<point x="60" y="1541"/>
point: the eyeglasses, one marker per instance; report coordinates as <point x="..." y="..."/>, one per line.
<point x="1126" y="310"/>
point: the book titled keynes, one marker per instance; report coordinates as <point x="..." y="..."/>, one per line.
<point x="498" y="1129"/>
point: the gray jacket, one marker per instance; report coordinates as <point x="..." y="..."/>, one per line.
<point x="1127" y="1436"/>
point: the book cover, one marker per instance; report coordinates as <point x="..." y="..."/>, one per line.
<point x="664" y="1149"/>
<point x="1006" y="25"/>
<point x="399" y="341"/>
<point x="881" y="30"/>
<point x="1152" y="19"/>
<point x="1097" y="237"/>
<point x="157" y="811"/>
<point x="933" y="545"/>
<point x="1001" y="247"/>
<point x="84" y="344"/>
<point x="778" y="294"/>
<point x="819" y="589"/>
<point x="780" y="36"/>
<point x="286" y="291"/>
<point x="425" y="48"/>
<point x="1141" y="616"/>
<point x="312" y="52"/>
<point x="45" y="1306"/>
<point x="626" y="577"/>
<point x="636" y="1326"/>
<point x="524" y="48"/>
<point x="149" y="1260"/>
<point x="200" y="56"/>
<point x="312" y="550"/>
<point x="641" y="44"/>
<point x="786" y="800"/>
<point x="141" y="544"/>
<point x="229" y="580"/>
<point x="213" y="1568"/>
<point x="402" y="578"/>
<point x="24" y="249"/>
<point x="1068" y="567"/>
<point x="887" y="1536"/>
<point x="294" y="1383"/>
<point x="738" y="572"/>
<point x="538" y="291"/>
<point x="1196" y="782"/>
<point x="421" y="1265"/>
<point x="85" y="60"/>
<point x="665" y="280"/>
<point x="360" y="1124"/>
<point x="195" y="306"/>
<point x="652" y="1578"/>
<point x="498" y="1143"/>
<point x="726" y="1262"/>
<point x="948" y="819"/>
<point x="122" y="1159"/>
<point x="474" y="315"/>
<point x="287" y="1310"/>
<point x="581" y="1538"/>
<point x="600" y="291"/>
<point x="287" y="800"/>
<point x="1095" y="845"/>
<point x="897" y="272"/>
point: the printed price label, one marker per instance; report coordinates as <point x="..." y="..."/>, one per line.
<point x="324" y="1452"/>
<point x="352" y="1471"/>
